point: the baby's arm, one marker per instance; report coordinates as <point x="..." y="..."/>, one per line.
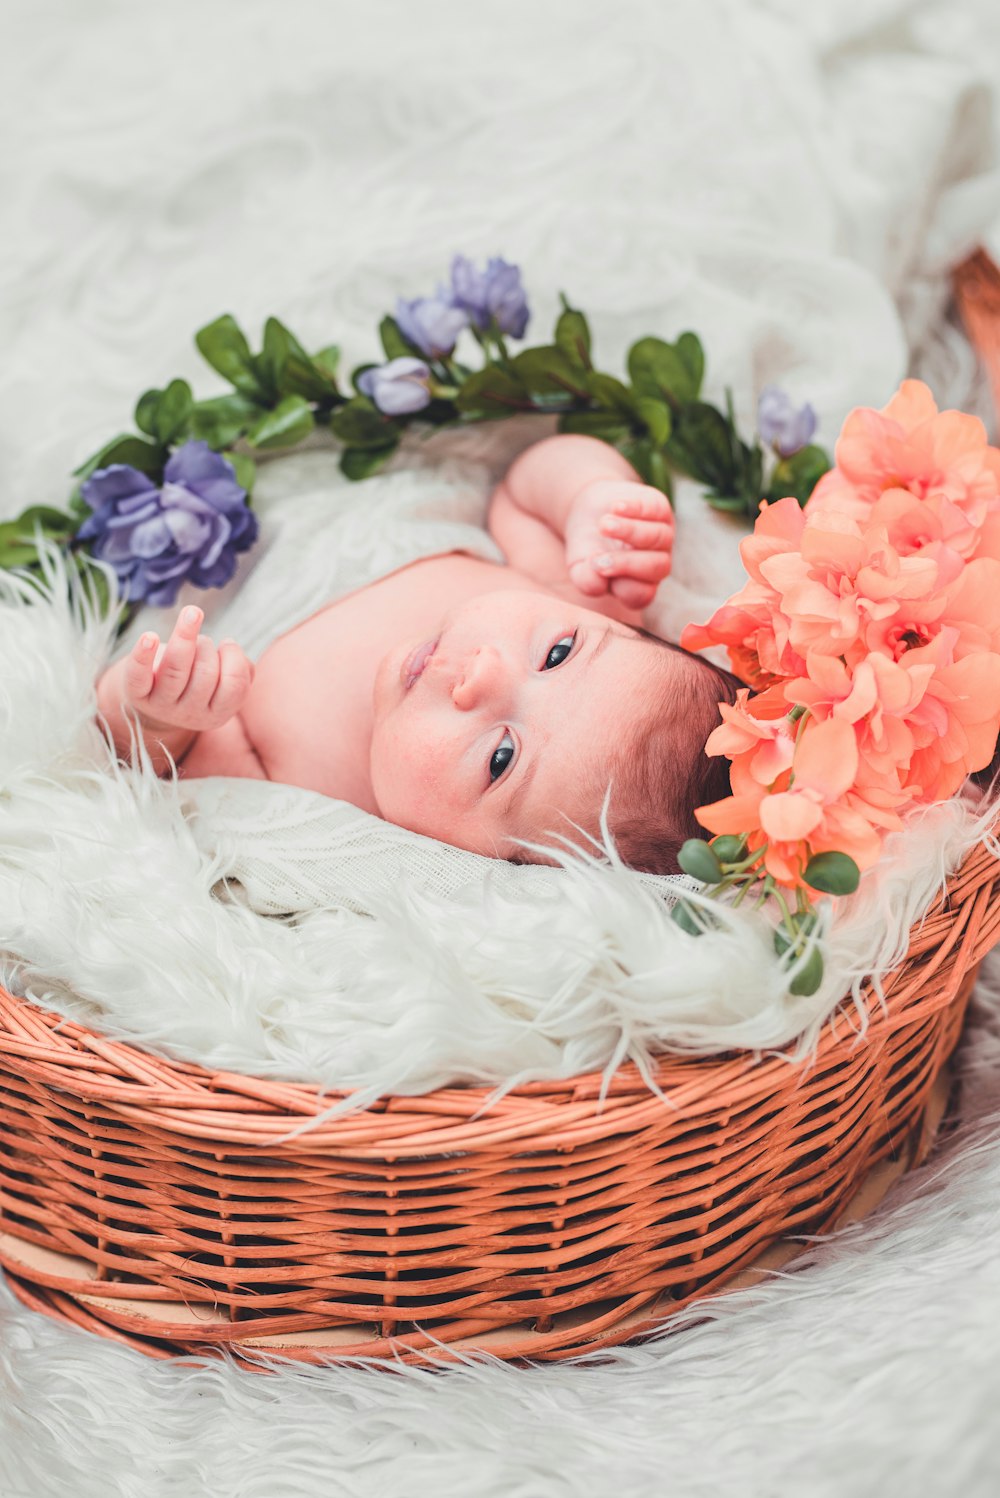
<point x="570" y="499"/>
<point x="194" y="687"/>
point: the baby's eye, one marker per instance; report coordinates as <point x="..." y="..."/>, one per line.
<point x="559" y="644"/>
<point x="501" y="757"/>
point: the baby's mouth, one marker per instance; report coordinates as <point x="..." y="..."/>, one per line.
<point x="416" y="661"/>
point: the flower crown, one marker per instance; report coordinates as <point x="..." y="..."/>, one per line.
<point x="170" y="503"/>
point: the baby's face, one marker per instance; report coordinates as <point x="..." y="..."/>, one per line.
<point x="508" y="727"/>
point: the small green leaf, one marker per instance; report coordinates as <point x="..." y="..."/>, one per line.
<point x="699" y="860"/>
<point x="396" y="345"/>
<point x="223" y="344"/>
<point x="657" y="418"/>
<point x="809" y="979"/>
<point x="245" y="469"/>
<point x="572" y="336"/>
<point x="612" y="394"/>
<point x="607" y="425"/>
<point x="289" y="422"/>
<point x="491" y="393"/>
<point x="362" y="462"/>
<point x="145" y="411"/>
<point x="552" y="379"/>
<point x="225" y="418"/>
<point x="359" y="423"/>
<point x="172" y="414"/>
<point x="648" y="461"/>
<point x="326" y="363"/>
<point x="683" y="916"/>
<point x="657" y="368"/>
<point x="134" y="452"/>
<point x="833" y="873"/>
<point x="692" y="356"/>
<point x="274" y="355"/>
<point x="729" y="849"/>
<point x="701" y="445"/>
<point x="798" y="475"/>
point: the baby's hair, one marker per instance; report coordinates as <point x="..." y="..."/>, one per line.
<point x="658" y="778"/>
<point x="661" y="772"/>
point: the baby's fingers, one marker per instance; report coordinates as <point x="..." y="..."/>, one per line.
<point x="236" y="674"/>
<point x="643" y="535"/>
<point x="643" y="566"/>
<point x="175" y="668"/>
<point x="139" y="668"/>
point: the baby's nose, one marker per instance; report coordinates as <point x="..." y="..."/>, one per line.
<point x="479" y="676"/>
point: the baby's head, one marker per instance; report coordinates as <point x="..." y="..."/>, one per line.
<point x="525" y="711"/>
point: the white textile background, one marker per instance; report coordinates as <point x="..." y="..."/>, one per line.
<point x="791" y="181"/>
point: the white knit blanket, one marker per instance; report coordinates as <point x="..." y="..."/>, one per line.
<point x="792" y="181"/>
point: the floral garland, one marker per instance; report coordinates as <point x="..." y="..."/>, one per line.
<point x="870" y="633"/>
<point x="170" y="503"/>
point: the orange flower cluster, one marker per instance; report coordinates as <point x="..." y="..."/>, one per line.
<point x="870" y="627"/>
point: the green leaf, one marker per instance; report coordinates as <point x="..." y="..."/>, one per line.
<point x="612" y="394"/>
<point x="798" y="475"/>
<point x="361" y="462"/>
<point x="359" y="423"/>
<point x="648" y="461"/>
<point x="833" y="873"/>
<point x="607" y="425"/>
<point x="728" y="504"/>
<point x="245" y="469"/>
<point x="135" y="452"/>
<point x="682" y="915"/>
<point x="145" y="411"/>
<point x="692" y="356"/>
<point x="657" y="368"/>
<point x="492" y="393"/>
<point x="729" y="849"/>
<point x="699" y="860"/>
<point x="172" y="414"/>
<point x="572" y="336"/>
<point x="809" y="979"/>
<point x="701" y="444"/>
<point x="657" y="418"/>
<point x="223" y="344"/>
<point x="396" y="345"/>
<point x="289" y="422"/>
<point x="13" y="551"/>
<point x="274" y="356"/>
<point x="222" y="420"/>
<point x="551" y="378"/>
<point x="326" y="363"/>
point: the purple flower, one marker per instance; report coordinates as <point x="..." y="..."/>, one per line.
<point x="188" y="530"/>
<point x="399" y="387"/>
<point x="495" y="292"/>
<point x="431" y="323"/>
<point x="781" y="424"/>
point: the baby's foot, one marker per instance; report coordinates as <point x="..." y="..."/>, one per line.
<point x="194" y="685"/>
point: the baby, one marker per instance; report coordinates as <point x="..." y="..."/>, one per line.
<point x="470" y="701"/>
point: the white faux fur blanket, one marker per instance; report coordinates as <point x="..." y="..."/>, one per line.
<point x="130" y="902"/>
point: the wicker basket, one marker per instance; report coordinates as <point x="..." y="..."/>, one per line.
<point x="162" y="1204"/>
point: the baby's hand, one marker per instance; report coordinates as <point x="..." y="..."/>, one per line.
<point x="194" y="685"/>
<point x="619" y="539"/>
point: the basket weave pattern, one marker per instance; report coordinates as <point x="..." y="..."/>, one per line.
<point x="157" y="1200"/>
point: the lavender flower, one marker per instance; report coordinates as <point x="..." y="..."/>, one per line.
<point x="188" y="530"/>
<point x="781" y="424"/>
<point x="495" y="292"/>
<point x="431" y="323"/>
<point x="399" y="387"/>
